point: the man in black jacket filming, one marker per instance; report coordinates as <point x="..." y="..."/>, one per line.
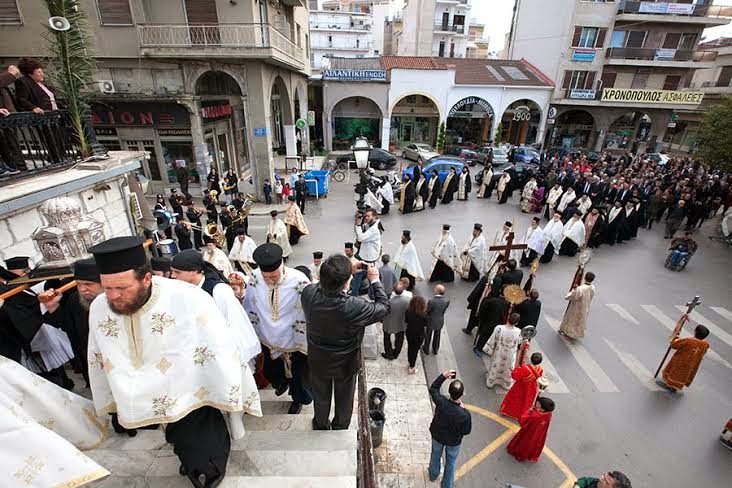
<point x="336" y="323"/>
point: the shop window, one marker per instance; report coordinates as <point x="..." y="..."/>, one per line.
<point x="176" y="152"/>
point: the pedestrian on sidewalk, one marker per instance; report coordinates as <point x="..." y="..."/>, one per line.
<point x="450" y="424"/>
<point x="301" y="191"/>
<point x="335" y="326"/>
<point x="436" y="308"/>
<point x="395" y="323"/>
<point x="416" y="317"/>
<point x="529" y="441"/>
<point x="611" y="479"/>
<point x="278" y="191"/>
<point x="267" y="190"/>
<point x="689" y="352"/>
<point x="387" y="274"/>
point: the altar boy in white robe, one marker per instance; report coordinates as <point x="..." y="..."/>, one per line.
<point x="273" y="304"/>
<point x="406" y="261"/>
<point x="241" y="252"/>
<point x="573" y="235"/>
<point x="160" y="352"/>
<point x="472" y="259"/>
<point x="445" y="257"/>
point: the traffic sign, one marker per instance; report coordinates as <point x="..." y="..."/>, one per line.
<point x="301" y="124"/>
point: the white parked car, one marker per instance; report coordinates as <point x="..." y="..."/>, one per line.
<point x="417" y="151"/>
<point x="660" y="159"/>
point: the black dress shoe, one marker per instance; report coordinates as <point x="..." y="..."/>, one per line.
<point x="182" y="471"/>
<point x="315" y="426"/>
<point x="467" y="331"/>
<point x="295" y="408"/>
<point x="383" y="355"/>
<point x="281" y="390"/>
<point x="426" y="352"/>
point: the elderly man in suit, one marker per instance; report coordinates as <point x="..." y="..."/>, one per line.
<point x="436" y="308"/>
<point x="394" y="323"/>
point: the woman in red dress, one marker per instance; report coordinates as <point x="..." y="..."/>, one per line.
<point x="528" y="442"/>
<point x="522" y="394"/>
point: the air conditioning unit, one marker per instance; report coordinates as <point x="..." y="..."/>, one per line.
<point x="106" y="87"/>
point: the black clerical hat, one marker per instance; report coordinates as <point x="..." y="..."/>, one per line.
<point x="268" y="256"/>
<point x="17" y="262"/>
<point x="86" y="270"/>
<point x="536" y="219"/>
<point x="160" y="264"/>
<point x="508" y="224"/>
<point x="241" y="232"/>
<point x="188" y="260"/>
<point x="348" y="245"/>
<point x="119" y="254"/>
<point x="478" y="227"/>
<point x="6" y="275"/>
<point x="446" y="227"/>
<point x="577" y="211"/>
<point x="274" y="213"/>
<point x="208" y="239"/>
<point x="318" y="255"/>
<point x="407" y="233"/>
<point x="291" y="198"/>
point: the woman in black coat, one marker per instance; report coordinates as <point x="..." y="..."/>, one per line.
<point x="416" y="318"/>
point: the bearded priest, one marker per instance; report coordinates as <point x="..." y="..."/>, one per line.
<point x="472" y="260"/>
<point x="160" y="352"/>
<point x="445" y="257"/>
<point x="406" y="261"/>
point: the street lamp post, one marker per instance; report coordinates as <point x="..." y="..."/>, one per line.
<point x="361" y="148"/>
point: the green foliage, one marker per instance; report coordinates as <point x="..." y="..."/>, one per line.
<point x="441" y="138"/>
<point x="499" y="134"/>
<point x="715" y="136"/>
<point x="72" y="63"/>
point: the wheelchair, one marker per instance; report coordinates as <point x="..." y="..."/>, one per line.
<point x="681" y="265"/>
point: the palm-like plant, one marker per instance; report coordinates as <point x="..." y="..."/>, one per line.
<point x="72" y="63"/>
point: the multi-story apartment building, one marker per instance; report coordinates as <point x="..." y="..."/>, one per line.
<point x="433" y="28"/>
<point x="477" y="47"/>
<point x="202" y="83"/>
<point x="623" y="69"/>
<point x="346" y="28"/>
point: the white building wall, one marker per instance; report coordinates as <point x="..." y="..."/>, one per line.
<point x="433" y="84"/>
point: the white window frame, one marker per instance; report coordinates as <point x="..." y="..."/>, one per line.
<point x="578" y="75"/>
<point x="585" y="36"/>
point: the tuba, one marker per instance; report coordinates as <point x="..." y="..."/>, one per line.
<point x="213" y="231"/>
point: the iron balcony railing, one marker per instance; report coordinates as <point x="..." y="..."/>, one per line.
<point x="659" y="54"/>
<point x="35" y="143"/>
<point x="350" y="46"/>
<point x="656" y="8"/>
<point x="245" y="36"/>
<point x="450" y="28"/>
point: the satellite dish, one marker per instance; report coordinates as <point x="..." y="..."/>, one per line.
<point x="59" y="24"/>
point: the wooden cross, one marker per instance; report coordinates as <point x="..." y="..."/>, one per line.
<point x="690" y="306"/>
<point x="508" y="247"/>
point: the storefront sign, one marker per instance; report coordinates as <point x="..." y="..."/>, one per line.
<point x="653" y="7"/>
<point x="652" y="96"/>
<point x="665" y="54"/>
<point x="583" y="55"/>
<point x="680" y="8"/>
<point x="578" y="94"/>
<point x="260" y="132"/>
<point x="216" y="110"/>
<point x="471" y="101"/>
<point x="140" y="115"/>
<point x="174" y="132"/>
<point x="671" y="125"/>
<point x="354" y="75"/>
<point x="550" y="121"/>
<point x="552" y="112"/>
<point x="105" y="131"/>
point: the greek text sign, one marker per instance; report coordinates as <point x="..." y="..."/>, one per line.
<point x="652" y="96"/>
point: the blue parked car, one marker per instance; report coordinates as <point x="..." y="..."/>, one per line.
<point x="525" y="154"/>
<point x="441" y="163"/>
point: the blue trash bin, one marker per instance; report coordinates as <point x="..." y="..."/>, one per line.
<point x="320" y="185"/>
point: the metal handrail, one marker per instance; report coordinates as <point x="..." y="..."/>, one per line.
<point x="650" y="54"/>
<point x="713" y="11"/>
<point x="365" y="458"/>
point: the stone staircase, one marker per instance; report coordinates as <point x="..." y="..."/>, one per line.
<point x="278" y="451"/>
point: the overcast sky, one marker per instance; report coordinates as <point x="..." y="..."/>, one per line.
<point x="496" y="15"/>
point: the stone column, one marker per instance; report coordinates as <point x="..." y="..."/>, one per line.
<point x="385" y="132"/>
<point x="290" y="140"/>
<point x="258" y="130"/>
<point x="199" y="144"/>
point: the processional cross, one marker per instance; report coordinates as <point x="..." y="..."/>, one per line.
<point x="690" y="306"/>
<point x="507" y="248"/>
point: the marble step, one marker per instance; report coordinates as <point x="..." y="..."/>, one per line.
<point x="230" y="482"/>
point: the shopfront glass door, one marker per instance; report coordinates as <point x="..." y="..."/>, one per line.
<point x="150" y="166"/>
<point x="219" y="146"/>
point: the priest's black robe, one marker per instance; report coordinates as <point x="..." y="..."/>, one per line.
<point x="408" y="195"/>
<point x="442" y="272"/>
<point x="436" y="193"/>
<point x="548" y="253"/>
<point x="73" y="318"/>
<point x="452" y="187"/>
<point x="474" y="301"/>
<point x="492" y="313"/>
<point x="529" y="310"/>
<point x="630" y="228"/>
<point x="568" y="248"/>
<point x="597" y="235"/>
<point x="613" y="229"/>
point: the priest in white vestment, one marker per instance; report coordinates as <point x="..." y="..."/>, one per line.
<point x="420" y="193"/>
<point x="44" y="427"/>
<point x="472" y="259"/>
<point x="534" y="239"/>
<point x="161" y="352"/>
<point x="551" y="200"/>
<point x="502" y="186"/>
<point x="445" y="257"/>
<point x="385" y="193"/>
<point x="212" y="254"/>
<point x="552" y="237"/>
<point x="568" y="197"/>
<point x="277" y="234"/>
<point x="494" y="258"/>
<point x="315" y="267"/>
<point x="574" y="322"/>
<point x="241" y="252"/>
<point x="406" y="261"/>
<point x="464" y="184"/>
<point x="527" y="194"/>
<point x="584" y="203"/>
<point x="573" y="235"/>
<point x="501" y="350"/>
<point x="295" y="222"/>
<point x="273" y="304"/>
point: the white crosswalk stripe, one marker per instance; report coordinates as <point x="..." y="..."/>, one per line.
<point x="723" y="312"/>
<point x="622" y="312"/>
<point x="602" y="381"/>
<point x="558" y="386"/>
<point x="635" y="366"/>
<point x="669" y="323"/>
<point x="713" y="328"/>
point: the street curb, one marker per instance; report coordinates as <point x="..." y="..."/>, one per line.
<point x="433" y="365"/>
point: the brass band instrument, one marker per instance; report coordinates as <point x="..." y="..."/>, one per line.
<point x="212" y="231"/>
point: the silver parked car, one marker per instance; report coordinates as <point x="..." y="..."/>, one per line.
<point x="417" y="151"/>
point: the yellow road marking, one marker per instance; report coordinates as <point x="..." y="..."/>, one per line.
<point x="511" y="429"/>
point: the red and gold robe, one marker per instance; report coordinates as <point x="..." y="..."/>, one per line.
<point x="528" y="442"/>
<point x="681" y="369"/>
<point x="522" y="395"/>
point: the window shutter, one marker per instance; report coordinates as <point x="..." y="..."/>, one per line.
<point x="608" y="79"/>
<point x="9" y="13"/>
<point x="201" y="12"/>
<point x="577" y="36"/>
<point x="672" y="82"/>
<point x="115" y="12"/>
<point x="567" y="79"/>
<point x="590" y="80"/>
<point x="600" y="41"/>
<point x="725" y="76"/>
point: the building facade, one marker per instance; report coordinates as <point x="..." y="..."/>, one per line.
<point x="433" y="28"/>
<point x="478" y="44"/>
<point x="624" y="69"/>
<point x="201" y="83"/>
